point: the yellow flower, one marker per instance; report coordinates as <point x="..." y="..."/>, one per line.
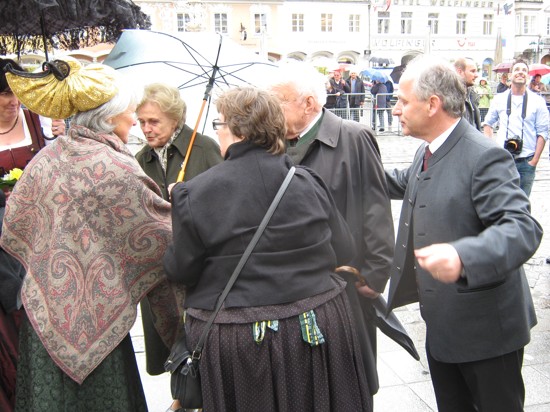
<point x="10" y="178"/>
<point x="15" y="174"/>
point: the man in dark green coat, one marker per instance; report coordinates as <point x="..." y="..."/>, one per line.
<point x="346" y="156"/>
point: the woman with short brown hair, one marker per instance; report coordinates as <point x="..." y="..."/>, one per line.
<point x="284" y="339"/>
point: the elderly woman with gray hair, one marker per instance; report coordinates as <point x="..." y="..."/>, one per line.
<point x="161" y="116"/>
<point x="90" y="228"/>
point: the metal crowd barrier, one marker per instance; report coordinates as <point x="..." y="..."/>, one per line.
<point x="370" y="115"/>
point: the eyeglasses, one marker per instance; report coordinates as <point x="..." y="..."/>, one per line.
<point x="216" y="124"/>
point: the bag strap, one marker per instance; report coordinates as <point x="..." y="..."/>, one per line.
<point x="244" y="258"/>
<point x="35" y="129"/>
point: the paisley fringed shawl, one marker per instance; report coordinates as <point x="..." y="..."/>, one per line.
<point x="91" y="229"/>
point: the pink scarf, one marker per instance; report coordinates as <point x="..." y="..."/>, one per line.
<point x="91" y="229"/>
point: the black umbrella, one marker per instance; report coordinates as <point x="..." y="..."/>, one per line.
<point x="392" y="327"/>
<point x="65" y="24"/>
<point x="397" y="72"/>
<point x="405" y="59"/>
<point x="376" y="312"/>
<point x="381" y="61"/>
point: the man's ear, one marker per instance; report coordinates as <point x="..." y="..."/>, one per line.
<point x="310" y="104"/>
<point x="435" y="104"/>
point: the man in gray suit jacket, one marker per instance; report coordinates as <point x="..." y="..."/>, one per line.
<point x="465" y="230"/>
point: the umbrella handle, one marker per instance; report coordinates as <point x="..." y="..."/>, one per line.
<point x="353" y="271"/>
<point x="208" y="91"/>
<point x="181" y="174"/>
<point x="59" y="68"/>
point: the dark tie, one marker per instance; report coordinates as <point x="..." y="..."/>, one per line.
<point x="427" y="155"/>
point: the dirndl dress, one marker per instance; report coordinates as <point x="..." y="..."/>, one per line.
<point x="302" y="356"/>
<point x="42" y="386"/>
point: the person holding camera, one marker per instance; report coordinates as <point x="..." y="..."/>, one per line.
<point x="523" y="124"/>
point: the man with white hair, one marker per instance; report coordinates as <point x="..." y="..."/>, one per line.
<point x="346" y="155"/>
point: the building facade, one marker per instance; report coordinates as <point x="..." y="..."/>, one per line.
<point x="368" y="33"/>
<point x="364" y="33"/>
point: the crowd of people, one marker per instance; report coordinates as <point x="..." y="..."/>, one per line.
<point x="89" y="231"/>
<point x="347" y="98"/>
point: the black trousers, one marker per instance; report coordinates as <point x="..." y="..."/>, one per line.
<point x="489" y="385"/>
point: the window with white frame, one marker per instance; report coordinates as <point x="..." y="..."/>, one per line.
<point x="326" y="22"/>
<point x="433" y="23"/>
<point x="406" y="22"/>
<point x="297" y="22"/>
<point x="354" y="20"/>
<point x="260" y="23"/>
<point x="383" y="22"/>
<point x="220" y="23"/>
<point x="461" y="23"/>
<point x="487" y="24"/>
<point x="191" y="18"/>
<point x="183" y="20"/>
<point x="529" y="25"/>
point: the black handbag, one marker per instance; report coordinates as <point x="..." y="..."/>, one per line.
<point x="185" y="379"/>
<point x="183" y="365"/>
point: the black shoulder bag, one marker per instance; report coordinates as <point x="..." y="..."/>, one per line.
<point x="185" y="380"/>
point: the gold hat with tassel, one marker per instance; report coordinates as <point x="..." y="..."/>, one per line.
<point x="63" y="88"/>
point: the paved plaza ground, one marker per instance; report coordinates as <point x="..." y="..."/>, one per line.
<point x="405" y="383"/>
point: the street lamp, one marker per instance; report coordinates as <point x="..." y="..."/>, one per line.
<point x="538" y="50"/>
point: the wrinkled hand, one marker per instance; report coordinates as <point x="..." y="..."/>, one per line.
<point x="366" y="291"/>
<point x="170" y="187"/>
<point x="58" y="127"/>
<point x="360" y="284"/>
<point x="441" y="260"/>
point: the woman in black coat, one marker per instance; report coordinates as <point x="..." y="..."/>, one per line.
<point x="284" y="338"/>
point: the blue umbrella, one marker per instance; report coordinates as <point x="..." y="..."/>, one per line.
<point x="375" y="75"/>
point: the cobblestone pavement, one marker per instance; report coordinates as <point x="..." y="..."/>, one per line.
<point x="405" y="383"/>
